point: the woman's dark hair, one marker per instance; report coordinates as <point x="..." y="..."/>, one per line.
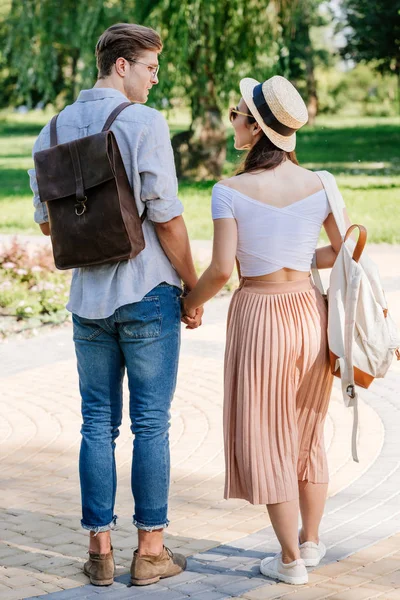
<point x="264" y="155"/>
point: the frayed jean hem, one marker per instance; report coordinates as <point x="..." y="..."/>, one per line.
<point x="97" y="529"/>
<point x="149" y="527"/>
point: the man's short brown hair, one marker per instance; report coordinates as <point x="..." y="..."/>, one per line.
<point x="126" y="40"/>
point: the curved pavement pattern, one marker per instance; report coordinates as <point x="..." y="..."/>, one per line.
<point x="42" y="546"/>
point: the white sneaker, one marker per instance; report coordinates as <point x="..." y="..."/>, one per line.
<point x="312" y="553"/>
<point x="294" y="572"/>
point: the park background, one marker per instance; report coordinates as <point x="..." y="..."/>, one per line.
<point x="342" y="55"/>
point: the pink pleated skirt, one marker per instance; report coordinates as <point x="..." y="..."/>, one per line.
<point x="277" y="386"/>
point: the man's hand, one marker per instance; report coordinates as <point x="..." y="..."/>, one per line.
<point x="45" y="228"/>
<point x="191" y="318"/>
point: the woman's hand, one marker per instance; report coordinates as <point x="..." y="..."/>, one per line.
<point x="191" y="317"/>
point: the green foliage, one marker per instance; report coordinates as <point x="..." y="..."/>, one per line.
<point x="298" y="51"/>
<point x="361" y="152"/>
<point x="358" y="91"/>
<point x="373" y="33"/>
<point x="50" y="45"/>
<point x="209" y="47"/>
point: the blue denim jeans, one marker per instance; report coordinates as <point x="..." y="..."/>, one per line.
<point x="144" y="339"/>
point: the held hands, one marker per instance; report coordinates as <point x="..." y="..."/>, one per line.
<point x="192" y="317"/>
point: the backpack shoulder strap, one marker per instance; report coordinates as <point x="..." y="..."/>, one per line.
<point x="114" y="114"/>
<point x="111" y="118"/>
<point x="53" y="131"/>
<point x="334" y="198"/>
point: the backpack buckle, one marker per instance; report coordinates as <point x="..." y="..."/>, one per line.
<point x="351" y="391"/>
<point x="81" y="207"/>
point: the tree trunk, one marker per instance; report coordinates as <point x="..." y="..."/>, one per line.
<point x="200" y="152"/>
<point x="312" y="102"/>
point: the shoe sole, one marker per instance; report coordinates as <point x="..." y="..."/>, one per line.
<point x="154" y="579"/>
<point x="285" y="578"/>
<point x="146" y="581"/>
<point x="99" y="582"/>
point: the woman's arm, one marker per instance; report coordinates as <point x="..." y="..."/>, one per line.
<point x="326" y="256"/>
<point x="220" y="269"/>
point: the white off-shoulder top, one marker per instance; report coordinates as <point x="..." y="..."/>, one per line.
<point x="271" y="238"/>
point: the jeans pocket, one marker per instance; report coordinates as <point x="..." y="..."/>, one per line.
<point x="85" y="329"/>
<point x="144" y="319"/>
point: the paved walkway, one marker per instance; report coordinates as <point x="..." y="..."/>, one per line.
<point x="42" y="546"/>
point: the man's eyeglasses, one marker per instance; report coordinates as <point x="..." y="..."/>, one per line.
<point x="153" y="70"/>
<point x="233" y="112"/>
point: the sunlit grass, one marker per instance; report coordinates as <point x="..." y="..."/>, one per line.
<point x="363" y="156"/>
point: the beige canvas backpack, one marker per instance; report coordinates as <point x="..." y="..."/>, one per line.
<point x="362" y="336"/>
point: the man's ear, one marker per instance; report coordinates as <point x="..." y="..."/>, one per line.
<point x="120" y="66"/>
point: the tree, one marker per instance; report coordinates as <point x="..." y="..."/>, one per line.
<point x="50" y="45"/>
<point x="209" y="47"/>
<point x="373" y="34"/>
<point x="298" y="56"/>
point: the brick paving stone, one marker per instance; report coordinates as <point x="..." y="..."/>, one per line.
<point x="43" y="489"/>
<point x="244" y="585"/>
<point x="270" y="592"/>
<point x="315" y="593"/>
<point x="391" y="579"/>
<point x="356" y="594"/>
<point x="210" y="596"/>
<point x="353" y="579"/>
<point x="393" y="595"/>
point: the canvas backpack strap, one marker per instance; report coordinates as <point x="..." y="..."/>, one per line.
<point x="350" y="395"/>
<point x="334" y="198"/>
<point x="111" y="118"/>
<point x="316" y="276"/>
<point x="53" y="131"/>
<point x="335" y="202"/>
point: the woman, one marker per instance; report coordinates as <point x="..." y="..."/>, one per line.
<point x="277" y="378"/>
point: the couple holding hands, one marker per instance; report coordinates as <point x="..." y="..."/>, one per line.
<point x="126" y="317"/>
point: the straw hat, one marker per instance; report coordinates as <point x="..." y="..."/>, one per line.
<point x="277" y="107"/>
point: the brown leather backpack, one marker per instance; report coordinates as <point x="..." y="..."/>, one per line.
<point x="92" y="211"/>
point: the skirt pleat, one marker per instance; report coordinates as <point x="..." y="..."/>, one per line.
<point x="277" y="386"/>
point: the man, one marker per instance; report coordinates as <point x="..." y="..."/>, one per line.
<point x="127" y="315"/>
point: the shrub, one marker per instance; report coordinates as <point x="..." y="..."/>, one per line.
<point x="31" y="289"/>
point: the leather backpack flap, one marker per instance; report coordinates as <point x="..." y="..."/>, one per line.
<point x="55" y="169"/>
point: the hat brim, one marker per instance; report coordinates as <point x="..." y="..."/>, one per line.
<point x="287" y="143"/>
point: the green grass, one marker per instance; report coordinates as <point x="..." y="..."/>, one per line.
<point x="364" y="156"/>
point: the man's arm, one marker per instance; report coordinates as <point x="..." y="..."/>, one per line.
<point x="41" y="216"/>
<point x="159" y="191"/>
<point x="174" y="240"/>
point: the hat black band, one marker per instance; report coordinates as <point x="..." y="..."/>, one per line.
<point x="267" y="115"/>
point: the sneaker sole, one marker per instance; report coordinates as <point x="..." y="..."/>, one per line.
<point x="285" y="578"/>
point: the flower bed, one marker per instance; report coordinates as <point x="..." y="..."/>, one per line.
<point x="32" y="291"/>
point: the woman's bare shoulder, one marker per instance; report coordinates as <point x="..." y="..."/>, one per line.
<point x="234" y="182"/>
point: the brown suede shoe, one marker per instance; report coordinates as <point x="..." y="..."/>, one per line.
<point x="100" y="568"/>
<point x="150" y="569"/>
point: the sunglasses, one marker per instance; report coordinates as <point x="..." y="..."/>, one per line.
<point x="233" y="112"/>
